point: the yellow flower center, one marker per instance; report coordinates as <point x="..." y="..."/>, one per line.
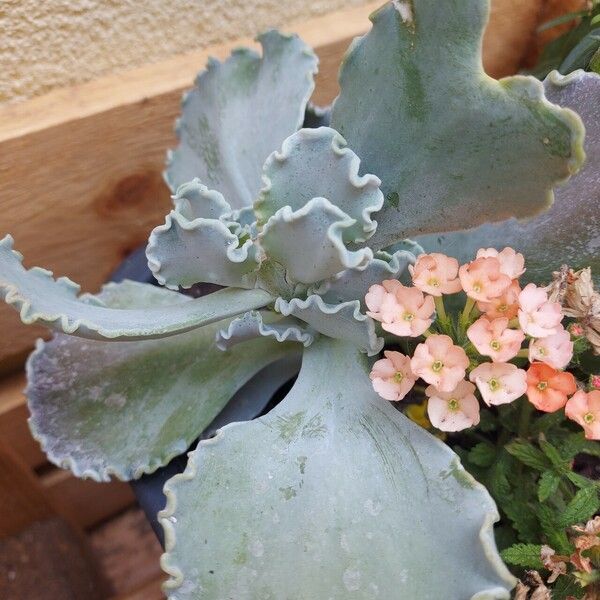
<point x="477" y="287"/>
<point x="589" y="418"/>
<point x="453" y="404"/>
<point x="437" y="366"/>
<point x="541" y="351"/>
<point x="502" y="307"/>
<point x="408" y="316"/>
<point x="434" y="282"/>
<point x="542" y="385"/>
<point x="494" y="384"/>
<point x="495" y="344"/>
<point x="398" y="377"/>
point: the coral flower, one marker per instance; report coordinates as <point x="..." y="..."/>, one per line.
<point x="537" y="316"/>
<point x="555" y="350"/>
<point x="483" y="280"/>
<point x="512" y="263"/>
<point x="585" y="410"/>
<point x="499" y="383"/>
<point x="403" y="311"/>
<point x="506" y="305"/>
<point x="436" y="274"/>
<point x="392" y="377"/>
<point x="547" y="388"/>
<point x="455" y="410"/>
<point x="495" y="339"/>
<point x="439" y="362"/>
<point x="595" y="381"/>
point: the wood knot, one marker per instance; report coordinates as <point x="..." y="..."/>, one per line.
<point x="132" y="193"/>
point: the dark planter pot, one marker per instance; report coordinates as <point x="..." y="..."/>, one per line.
<point x="255" y="398"/>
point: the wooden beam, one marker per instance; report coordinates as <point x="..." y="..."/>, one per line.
<point x="87" y="502"/>
<point x="14" y="431"/>
<point x="21" y="496"/>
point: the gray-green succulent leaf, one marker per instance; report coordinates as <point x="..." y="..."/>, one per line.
<point x="238" y="113"/>
<point x="55" y="303"/>
<point x="343" y="321"/>
<point x="253" y="324"/>
<point x="316" y="163"/>
<point x="103" y="409"/>
<point x="453" y="147"/>
<point x="569" y="231"/>
<point x="353" y="284"/>
<point x="333" y="494"/>
<point x="183" y="252"/>
<point x="309" y="242"/>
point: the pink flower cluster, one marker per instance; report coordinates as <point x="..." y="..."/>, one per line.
<point x="498" y="318"/>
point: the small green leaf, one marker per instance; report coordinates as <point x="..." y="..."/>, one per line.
<point x="547" y="485"/>
<point x="554" y="455"/>
<point x="524" y="555"/>
<point x="590" y="447"/>
<point x="483" y="455"/>
<point x="580" y="481"/>
<point x="566" y="587"/>
<point x="547" y="422"/>
<point x="523" y="518"/>
<point x="528" y="454"/>
<point x="581" y="508"/>
<point x="554" y="533"/>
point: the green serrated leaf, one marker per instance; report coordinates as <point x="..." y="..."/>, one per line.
<point x="571" y="445"/>
<point x="523" y="518"/>
<point x="528" y="454"/>
<point x="580" y="481"/>
<point x="483" y="454"/>
<point x="583" y="506"/>
<point x="554" y="455"/>
<point x="524" y="555"/>
<point x="566" y="587"/>
<point x="498" y="482"/>
<point x="590" y="447"/>
<point x="554" y="533"/>
<point x="547" y="422"/>
<point x="547" y="485"/>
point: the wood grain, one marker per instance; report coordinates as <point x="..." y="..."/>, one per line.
<point x="128" y="552"/>
<point x="14" y="431"/>
<point x="87" y="502"/>
<point x="21" y="496"/>
<point x="49" y="560"/>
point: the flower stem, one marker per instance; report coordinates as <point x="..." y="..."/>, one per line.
<point x="427" y="333"/>
<point x="440" y="308"/>
<point x="525" y="417"/>
<point x="466" y="313"/>
<point x="523" y="353"/>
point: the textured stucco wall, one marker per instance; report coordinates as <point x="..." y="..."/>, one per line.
<point x="49" y="43"/>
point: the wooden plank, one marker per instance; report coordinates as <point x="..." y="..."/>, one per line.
<point x="88" y="502"/>
<point x="46" y="560"/>
<point x="14" y="430"/>
<point x="80" y="168"/>
<point x="21" y="496"/>
<point x="152" y="590"/>
<point x="128" y="552"/>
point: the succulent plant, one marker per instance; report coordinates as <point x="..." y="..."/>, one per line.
<point x="334" y="493"/>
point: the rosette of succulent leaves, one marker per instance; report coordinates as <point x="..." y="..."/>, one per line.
<point x="334" y="493"/>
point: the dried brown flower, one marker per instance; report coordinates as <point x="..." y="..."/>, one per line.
<point x="575" y="291"/>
